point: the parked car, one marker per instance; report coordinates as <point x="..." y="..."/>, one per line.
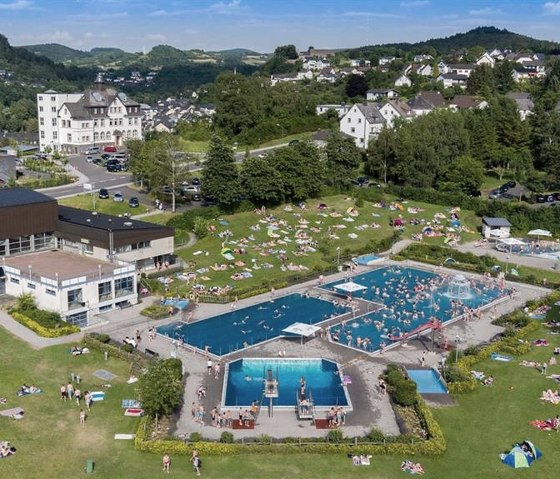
<point x="133" y="202"/>
<point x="93" y="150"/>
<point x="98" y="161"/>
<point x="118" y="197"/>
<point x="474" y="193"/>
<point x="511" y="184"/>
<point x="105" y="156"/>
<point x="195" y="181"/>
<point x="540" y="199"/>
<point x="103" y="193"/>
<point x="110" y="149"/>
<point x="89" y="159"/>
<point x="196" y="197"/>
<point x="115" y="168"/>
<point x="293" y="142"/>
<point x="495" y="194"/>
<point x="209" y="201"/>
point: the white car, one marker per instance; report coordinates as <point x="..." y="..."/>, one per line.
<point x="191" y="189"/>
<point x="118" y="197"/>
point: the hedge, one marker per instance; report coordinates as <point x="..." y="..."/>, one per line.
<point x="43" y="331"/>
<point x="155" y="311"/>
<point x="91" y="341"/>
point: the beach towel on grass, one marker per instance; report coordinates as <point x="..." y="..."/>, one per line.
<point x="548" y="425"/>
<point x="131" y="403"/>
<point x="412" y="467"/>
<point x="11" y="412"/>
<point x="29" y="393"/>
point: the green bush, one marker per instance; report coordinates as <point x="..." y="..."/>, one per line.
<point x="405" y="393"/>
<point x="175" y="365"/>
<point x="375" y="435"/>
<point x="226" y="437"/>
<point x="104" y="338"/>
<point x="155" y="311"/>
<point x="62" y="330"/>
<point x="187" y="220"/>
<point x="335" y="435"/>
<point x="195" y="437"/>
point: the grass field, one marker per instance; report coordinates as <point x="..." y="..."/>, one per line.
<point x="51" y="444"/>
<point x="325" y="227"/>
<point x="108" y="206"/>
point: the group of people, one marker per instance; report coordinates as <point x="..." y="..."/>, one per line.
<point x="24" y="390"/>
<point x="336" y="416"/>
<point x="195" y="461"/>
<point x="6" y="449"/>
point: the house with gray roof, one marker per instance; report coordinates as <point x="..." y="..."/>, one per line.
<point x="524" y="102"/>
<point x="362" y="122"/>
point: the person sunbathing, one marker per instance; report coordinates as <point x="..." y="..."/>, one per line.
<point x="489" y="381"/>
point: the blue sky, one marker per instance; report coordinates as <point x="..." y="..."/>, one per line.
<point x="261" y="25"/>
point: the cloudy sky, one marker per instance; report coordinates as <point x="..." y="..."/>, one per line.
<point x="261" y="25"/>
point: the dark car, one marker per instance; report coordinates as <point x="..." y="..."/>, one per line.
<point x="495" y="194"/>
<point x="98" y="161"/>
<point x="474" y="193"/>
<point x="541" y="199"/>
<point x="133" y="202"/>
<point x="293" y="142"/>
<point x="195" y="182"/>
<point x="104" y="193"/>
<point x="209" y="201"/>
<point x="511" y="184"/>
<point x="196" y="197"/>
<point x="112" y="168"/>
<point x="105" y="156"/>
<point x="361" y="181"/>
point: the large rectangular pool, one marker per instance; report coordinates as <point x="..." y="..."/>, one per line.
<point x="244" y="382"/>
<point x="238" y="329"/>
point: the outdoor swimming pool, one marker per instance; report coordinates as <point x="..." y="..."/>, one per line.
<point x="411" y="298"/>
<point x="244" y="382"/>
<point x="245" y="327"/>
<point x="427" y="381"/>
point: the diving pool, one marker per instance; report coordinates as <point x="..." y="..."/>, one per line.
<point x="409" y="298"/>
<point x="427" y="381"/>
<point x="244" y="382"/>
<point x="238" y="329"/>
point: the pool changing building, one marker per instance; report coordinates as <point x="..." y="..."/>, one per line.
<point x="75" y="262"/>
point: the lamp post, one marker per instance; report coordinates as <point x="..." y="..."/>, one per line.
<point x="338" y="257"/>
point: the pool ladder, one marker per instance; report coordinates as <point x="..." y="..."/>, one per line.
<point x="302" y="412"/>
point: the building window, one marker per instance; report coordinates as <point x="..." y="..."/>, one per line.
<point x="359" y="120"/>
<point x="19" y="245"/>
<point x="104" y="290"/>
<point x="51" y="292"/>
<point x="44" y="240"/>
<point x="31" y="285"/>
<point x="352" y="130"/>
<point x="53" y="122"/>
<point x="53" y="98"/>
<point x="349" y="120"/>
<point x="75" y="299"/>
<point x="40" y="108"/>
<point x="42" y="134"/>
<point x="40" y="98"/>
<point x="53" y="109"/>
<point x="69" y="137"/>
<point x="14" y="280"/>
<point x="78" y="319"/>
<point x="124" y="286"/>
<point x="55" y="135"/>
<point x="41" y="121"/>
<point x="141" y="245"/>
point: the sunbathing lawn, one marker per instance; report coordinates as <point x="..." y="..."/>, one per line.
<point x="51" y="443"/>
<point x="351" y="236"/>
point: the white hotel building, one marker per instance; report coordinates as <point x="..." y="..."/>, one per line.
<point x="101" y="116"/>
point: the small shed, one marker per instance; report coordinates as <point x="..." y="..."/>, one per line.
<point x="491" y="227"/>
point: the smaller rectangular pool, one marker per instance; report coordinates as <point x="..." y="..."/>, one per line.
<point x="427" y="381"/>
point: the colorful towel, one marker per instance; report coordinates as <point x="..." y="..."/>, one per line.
<point x="550" y="396"/>
<point x="130" y="403"/>
<point x="500" y="357"/>
<point x="548" y="425"/>
<point x="28" y="392"/>
<point x="134" y="412"/>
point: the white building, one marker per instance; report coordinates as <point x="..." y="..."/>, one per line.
<point x="362" y="122"/>
<point x="73" y="286"/>
<point x="341" y="109"/>
<point x="99" y="116"/>
<point x="403" y="80"/>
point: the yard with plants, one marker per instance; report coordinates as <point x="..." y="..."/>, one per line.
<point x="268" y="248"/>
<point x="51" y="443"/>
<point x="107" y="206"/>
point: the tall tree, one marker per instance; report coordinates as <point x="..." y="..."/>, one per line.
<point x="381" y="155"/>
<point x="221" y="179"/>
<point x="356" y="85"/>
<point x="465" y="174"/>
<point x="343" y="157"/>
<point x="503" y="80"/>
<point x="261" y="182"/>
<point x="481" y="80"/>
<point x="160" y="389"/>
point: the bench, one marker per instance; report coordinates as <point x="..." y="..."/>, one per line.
<point x="151" y="353"/>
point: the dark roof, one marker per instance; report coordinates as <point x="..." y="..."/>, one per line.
<point x="22" y="196"/>
<point x="495" y="222"/>
<point x="105" y="222"/>
<point x="433" y="97"/>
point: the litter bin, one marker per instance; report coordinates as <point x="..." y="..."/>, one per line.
<point x="89" y="466"/>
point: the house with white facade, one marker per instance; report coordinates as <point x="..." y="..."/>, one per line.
<point x="376" y="94"/>
<point x="486" y="59"/>
<point x="99" y="116"/>
<point x="403" y="80"/>
<point x="291" y="77"/>
<point x="449" y="80"/>
<point x="393" y="110"/>
<point x="461" y="69"/>
<point x="362" y="122"/>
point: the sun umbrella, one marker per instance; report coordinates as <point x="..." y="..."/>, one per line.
<point x="538" y="233"/>
<point x="516" y="459"/>
<point x="536" y="452"/>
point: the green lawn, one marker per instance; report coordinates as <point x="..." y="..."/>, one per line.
<point x="241" y="223"/>
<point x="108" y="206"/>
<point x="51" y="444"/>
<point x="190" y="146"/>
<point x="181" y="236"/>
<point x="287" y="139"/>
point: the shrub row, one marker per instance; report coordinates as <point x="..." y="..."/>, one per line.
<point x="57" y="331"/>
<point x="98" y="342"/>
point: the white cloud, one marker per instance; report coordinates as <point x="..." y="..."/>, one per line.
<point x="157" y="37"/>
<point x="190" y="31"/>
<point x="552" y="7"/>
<point x="59" y="36"/>
<point x="415" y="3"/>
<point x="485" y="11"/>
<point x="158" y="13"/>
<point x="222" y="8"/>
<point x="16" y="5"/>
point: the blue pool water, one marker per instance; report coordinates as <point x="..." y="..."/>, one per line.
<point x="176" y="303"/>
<point x="244" y="327"/>
<point x="405" y="309"/>
<point x="427" y="381"/>
<point x="245" y="381"/>
<point x="367" y="259"/>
